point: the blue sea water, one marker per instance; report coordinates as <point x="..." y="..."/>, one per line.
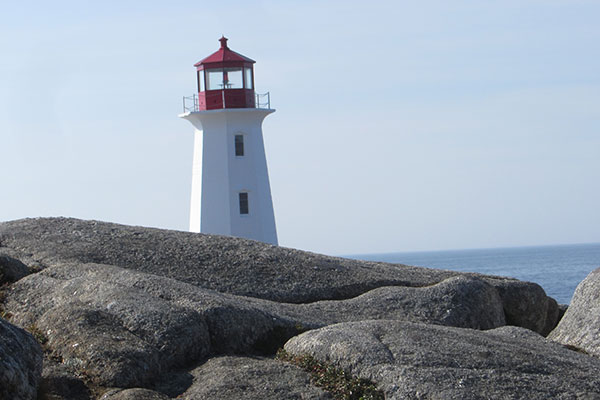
<point x="558" y="269"/>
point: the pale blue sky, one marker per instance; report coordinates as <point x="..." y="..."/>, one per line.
<point x="400" y="125"/>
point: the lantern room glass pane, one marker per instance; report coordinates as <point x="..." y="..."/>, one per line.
<point x="228" y="78"/>
<point x="201" y="81"/>
<point x="248" y="72"/>
<point x="214" y="79"/>
<point x="232" y="78"/>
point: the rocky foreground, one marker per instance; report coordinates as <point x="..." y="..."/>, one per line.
<point x="98" y="310"/>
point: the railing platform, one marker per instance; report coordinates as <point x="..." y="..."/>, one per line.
<point x="191" y="103"/>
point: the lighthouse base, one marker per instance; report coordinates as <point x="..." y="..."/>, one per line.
<point x="231" y="194"/>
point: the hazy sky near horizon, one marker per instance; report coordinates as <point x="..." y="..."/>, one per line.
<point x="400" y="125"/>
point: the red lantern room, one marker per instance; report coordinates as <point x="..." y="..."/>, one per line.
<point x="225" y="80"/>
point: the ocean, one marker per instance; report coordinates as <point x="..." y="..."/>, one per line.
<point x="558" y="269"/>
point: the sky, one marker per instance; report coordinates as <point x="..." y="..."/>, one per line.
<point x="400" y="125"/>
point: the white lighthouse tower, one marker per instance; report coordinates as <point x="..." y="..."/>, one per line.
<point x="231" y="194"/>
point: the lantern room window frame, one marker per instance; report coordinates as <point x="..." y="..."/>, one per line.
<point x="222" y="78"/>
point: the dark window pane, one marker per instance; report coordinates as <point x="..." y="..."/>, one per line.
<point x="244" y="203"/>
<point x="239" y="145"/>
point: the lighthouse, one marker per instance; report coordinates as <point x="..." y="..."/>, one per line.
<point x="231" y="194"/>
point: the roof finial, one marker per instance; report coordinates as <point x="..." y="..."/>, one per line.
<point x="223" y="41"/>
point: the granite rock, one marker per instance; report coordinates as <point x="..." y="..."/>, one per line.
<point x="115" y="337"/>
<point x="11" y="269"/>
<point x="244" y="267"/>
<point x="251" y="379"/>
<point x="418" y="361"/>
<point x="580" y="326"/>
<point x="125" y="328"/>
<point x="226" y="264"/>
<point x="58" y="383"/>
<point x="155" y="314"/>
<point x="20" y="363"/>
<point x="461" y="301"/>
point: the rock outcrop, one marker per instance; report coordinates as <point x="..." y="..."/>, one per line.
<point x="20" y="363"/>
<point x="130" y="312"/>
<point x="252" y="379"/>
<point x="243" y="267"/>
<point x="580" y="326"/>
<point x="420" y="361"/>
<point x="123" y="328"/>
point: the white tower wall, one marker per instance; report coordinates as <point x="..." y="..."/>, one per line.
<point x="219" y="175"/>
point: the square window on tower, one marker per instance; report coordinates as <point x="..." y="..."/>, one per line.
<point x="244" y="209"/>
<point x="239" y="145"/>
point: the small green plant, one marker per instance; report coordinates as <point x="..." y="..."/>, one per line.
<point x="34" y="268"/>
<point x="3" y="313"/>
<point x="37" y="334"/>
<point x="336" y="381"/>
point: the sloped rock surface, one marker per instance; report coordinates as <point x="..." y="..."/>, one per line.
<point x="580" y="326"/>
<point x="251" y="379"/>
<point x="226" y="264"/>
<point x="20" y="363"/>
<point x="134" y="394"/>
<point x="418" y="361"/>
<point x="244" y="267"/>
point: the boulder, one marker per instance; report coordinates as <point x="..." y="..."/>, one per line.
<point x="526" y="305"/>
<point x="20" y="363"/>
<point x="244" y="267"/>
<point x="58" y="383"/>
<point x="115" y="337"/>
<point x="461" y="301"/>
<point x="418" y="361"/>
<point x="11" y="269"/>
<point x="251" y="379"/>
<point x="580" y="325"/>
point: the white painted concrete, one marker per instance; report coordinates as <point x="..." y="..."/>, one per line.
<point x="196" y="182"/>
<point x="219" y="176"/>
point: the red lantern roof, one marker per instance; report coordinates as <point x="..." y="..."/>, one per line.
<point x="225" y="57"/>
